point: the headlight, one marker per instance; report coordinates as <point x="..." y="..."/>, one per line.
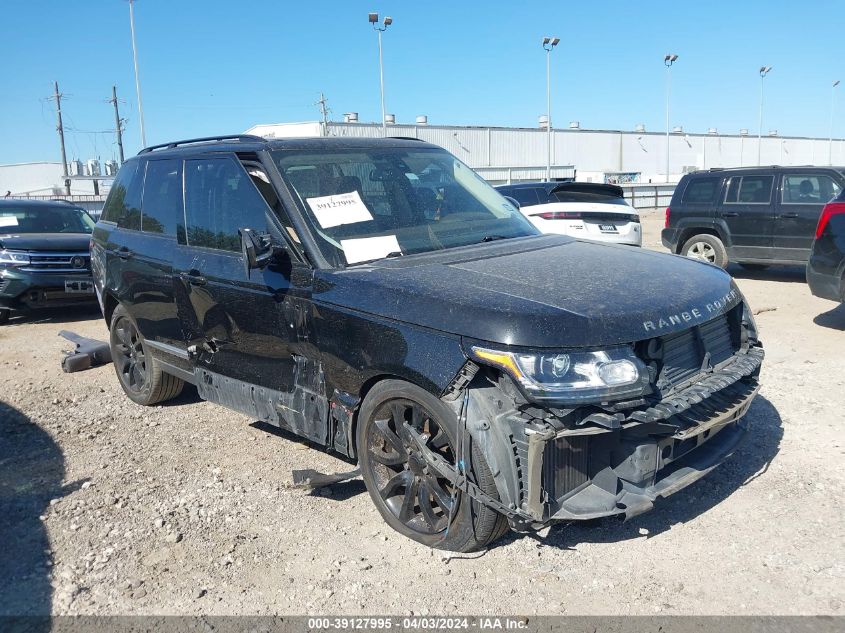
<point x="13" y="258"/>
<point x="748" y="321"/>
<point x="590" y="376"/>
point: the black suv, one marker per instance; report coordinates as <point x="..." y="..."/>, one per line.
<point x="754" y="216"/>
<point x="826" y="267"/>
<point x="378" y="298"/>
<point x="44" y="259"/>
<point x="529" y="194"/>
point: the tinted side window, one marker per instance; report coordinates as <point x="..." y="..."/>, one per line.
<point x="750" y="190"/>
<point x="123" y="206"/>
<point x="809" y="189"/>
<point x="219" y="199"/>
<point x="702" y="191"/>
<point x="162" y="203"/>
<point x="525" y="196"/>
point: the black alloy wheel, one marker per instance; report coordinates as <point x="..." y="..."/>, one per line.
<point x="395" y="418"/>
<point x="131" y="361"/>
<point x="416" y="496"/>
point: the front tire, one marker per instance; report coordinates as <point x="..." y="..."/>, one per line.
<point x="4" y="315"/>
<point x="706" y="247"/>
<point x="138" y="371"/>
<point x="410" y="497"/>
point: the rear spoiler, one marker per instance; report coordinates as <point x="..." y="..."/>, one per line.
<point x="601" y="189"/>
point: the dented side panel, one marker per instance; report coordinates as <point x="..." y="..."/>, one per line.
<point x="356" y="348"/>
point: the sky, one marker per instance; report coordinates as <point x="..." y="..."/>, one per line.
<point x="215" y="67"/>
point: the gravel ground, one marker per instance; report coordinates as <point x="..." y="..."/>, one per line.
<point x="111" y="508"/>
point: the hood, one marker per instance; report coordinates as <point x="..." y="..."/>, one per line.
<point x="544" y="291"/>
<point x="46" y="242"/>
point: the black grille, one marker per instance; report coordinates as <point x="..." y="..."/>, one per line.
<point x="684" y="354"/>
<point x="566" y="465"/>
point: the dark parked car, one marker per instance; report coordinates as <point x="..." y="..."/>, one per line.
<point x="754" y="216"/>
<point x="44" y="258"/>
<point x="826" y="267"/>
<point x="378" y="298"/>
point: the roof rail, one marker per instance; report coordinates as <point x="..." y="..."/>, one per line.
<point x="243" y="138"/>
<point x="407" y="138"/>
<point x="62" y="200"/>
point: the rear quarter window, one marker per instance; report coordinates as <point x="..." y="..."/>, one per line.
<point x="162" y="202"/>
<point x="123" y="205"/>
<point x="526" y="196"/>
<point x="702" y="191"/>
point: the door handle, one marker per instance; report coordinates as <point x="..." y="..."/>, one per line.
<point x="123" y="252"/>
<point x="730" y="214"/>
<point x="789" y="215"/>
<point x="193" y="279"/>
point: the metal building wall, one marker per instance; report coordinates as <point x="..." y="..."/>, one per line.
<point x="498" y="152"/>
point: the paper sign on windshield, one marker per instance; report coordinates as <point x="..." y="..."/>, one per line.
<point x="366" y="248"/>
<point x="343" y="208"/>
<point x="8" y="220"/>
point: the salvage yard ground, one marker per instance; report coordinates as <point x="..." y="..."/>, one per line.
<point x="107" y="507"/>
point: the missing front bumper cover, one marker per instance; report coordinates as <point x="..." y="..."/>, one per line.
<point x="593" y="471"/>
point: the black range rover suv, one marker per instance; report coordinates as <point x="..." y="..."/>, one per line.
<point x="44" y="259"/>
<point x="378" y="298"/>
<point x="754" y="216"/>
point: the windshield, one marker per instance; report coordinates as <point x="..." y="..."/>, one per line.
<point x="58" y="219"/>
<point x="365" y="204"/>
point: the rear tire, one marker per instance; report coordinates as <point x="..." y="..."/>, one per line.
<point x="138" y="371"/>
<point x="411" y="499"/>
<point x="706" y="247"/>
<point x="4" y="315"/>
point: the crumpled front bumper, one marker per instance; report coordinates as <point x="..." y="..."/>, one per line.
<point x="593" y="471"/>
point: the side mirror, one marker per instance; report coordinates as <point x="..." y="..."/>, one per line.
<point x="512" y="201"/>
<point x="256" y="248"/>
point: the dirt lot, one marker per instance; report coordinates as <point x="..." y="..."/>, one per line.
<point x="108" y="507"/>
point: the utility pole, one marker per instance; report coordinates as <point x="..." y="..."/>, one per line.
<point x="548" y="44"/>
<point x="764" y="70"/>
<point x="832" y="107"/>
<point x="325" y="112"/>
<point x="137" y="80"/>
<point x="373" y="18"/>
<point x="118" y="124"/>
<point x="58" y="96"/>
<point x="668" y="60"/>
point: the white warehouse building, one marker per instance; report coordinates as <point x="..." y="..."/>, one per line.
<point x="505" y="155"/>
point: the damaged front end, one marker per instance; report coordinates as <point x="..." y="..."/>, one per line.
<point x="555" y="461"/>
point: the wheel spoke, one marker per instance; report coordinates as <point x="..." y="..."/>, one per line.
<point x="389" y="457"/>
<point x="416" y="417"/>
<point x="440" y="439"/>
<point x="409" y="503"/>
<point x="443" y="498"/>
<point x="137" y="376"/>
<point x="388" y="434"/>
<point x="394" y="483"/>
<point x="427" y="510"/>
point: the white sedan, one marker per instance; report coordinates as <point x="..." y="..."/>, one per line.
<point x="585" y="210"/>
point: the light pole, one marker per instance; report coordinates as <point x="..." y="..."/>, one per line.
<point x="764" y="70"/>
<point x="832" y="106"/>
<point x="137" y="80"/>
<point x="373" y="17"/>
<point x="668" y="60"/>
<point x="548" y="44"/>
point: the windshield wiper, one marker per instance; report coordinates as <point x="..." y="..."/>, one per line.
<point x="490" y="238"/>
